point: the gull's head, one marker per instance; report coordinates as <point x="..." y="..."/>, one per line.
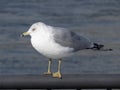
<point x="34" y="29"/>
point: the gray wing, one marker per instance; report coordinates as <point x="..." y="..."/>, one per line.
<point x="70" y="39"/>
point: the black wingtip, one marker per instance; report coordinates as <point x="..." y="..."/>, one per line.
<point x="97" y="46"/>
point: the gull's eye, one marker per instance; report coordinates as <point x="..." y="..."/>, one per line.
<point x="33" y="29"/>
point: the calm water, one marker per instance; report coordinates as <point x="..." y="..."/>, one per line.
<point x="98" y="20"/>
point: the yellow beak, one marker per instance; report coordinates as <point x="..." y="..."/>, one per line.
<point x="25" y="34"/>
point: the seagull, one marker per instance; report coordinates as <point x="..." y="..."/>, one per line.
<point x="56" y="43"/>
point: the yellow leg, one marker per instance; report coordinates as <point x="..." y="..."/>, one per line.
<point x="49" y="68"/>
<point x="58" y="73"/>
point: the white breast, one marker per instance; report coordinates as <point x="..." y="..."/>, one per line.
<point x="44" y="43"/>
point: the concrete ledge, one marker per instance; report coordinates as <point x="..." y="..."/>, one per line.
<point x="97" y="81"/>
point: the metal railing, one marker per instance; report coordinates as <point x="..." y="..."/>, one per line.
<point x="78" y="82"/>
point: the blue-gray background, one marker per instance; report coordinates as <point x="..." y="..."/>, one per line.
<point x="99" y="20"/>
